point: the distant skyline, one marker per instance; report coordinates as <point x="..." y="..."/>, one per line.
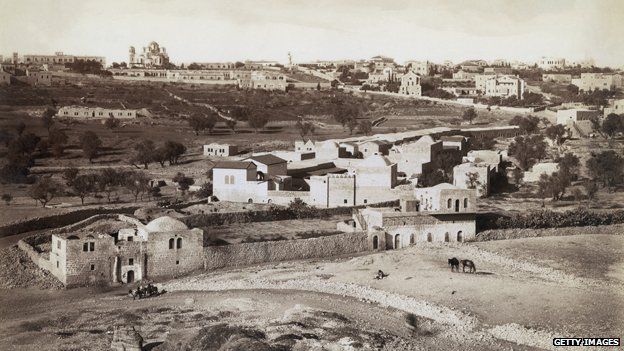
<point x="213" y="31"/>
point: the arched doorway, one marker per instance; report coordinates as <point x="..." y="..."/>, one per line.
<point x="397" y="241"/>
<point x="412" y="239"/>
<point x="130" y="277"/>
<point x="375" y="242"/>
<point x="429" y="237"/>
<point x="457" y="205"/>
<point x="446" y="237"/>
<point x="460" y="236"/>
<point x="250" y="201"/>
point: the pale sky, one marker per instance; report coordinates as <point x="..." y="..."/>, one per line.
<point x="230" y="30"/>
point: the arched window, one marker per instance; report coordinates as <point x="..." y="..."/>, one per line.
<point x="446" y="237"/>
<point x="449" y="203"/>
<point x="375" y="242"/>
<point x="429" y="237"/>
<point x="231" y="179"/>
<point x="171" y="242"/>
<point x="179" y="246"/>
<point x="457" y="205"/>
<point x="460" y="236"/>
<point x="465" y="202"/>
<point x="227" y="179"/>
<point x="397" y="241"/>
<point x="250" y="201"/>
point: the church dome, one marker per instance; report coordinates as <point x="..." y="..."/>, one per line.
<point x="165" y="224"/>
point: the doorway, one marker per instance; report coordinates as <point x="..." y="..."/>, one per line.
<point x="397" y="241"/>
<point x="375" y="242"/>
<point x="130" y="278"/>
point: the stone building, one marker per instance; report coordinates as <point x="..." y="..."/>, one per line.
<point x="442" y="213"/>
<point x="557" y="78"/>
<point x="165" y="247"/>
<point x="410" y="84"/>
<point x="575" y="115"/>
<point x="416" y="157"/>
<point x="615" y="106"/>
<point x="504" y="86"/>
<point x="36" y="78"/>
<point x="549" y="63"/>
<point x="598" y="81"/>
<point x="60" y="58"/>
<point x="85" y="112"/>
<point x="249" y="180"/>
<point x="264" y="80"/>
<point x="152" y="56"/>
<point x="374" y="147"/>
<point x="222" y="150"/>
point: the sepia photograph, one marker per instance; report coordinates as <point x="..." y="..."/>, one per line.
<point x="324" y="175"/>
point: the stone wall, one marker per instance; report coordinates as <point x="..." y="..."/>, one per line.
<point x="503" y="234"/>
<point x="58" y="220"/>
<point x="240" y="255"/>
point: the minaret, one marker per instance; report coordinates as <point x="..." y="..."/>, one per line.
<point x="131" y="54"/>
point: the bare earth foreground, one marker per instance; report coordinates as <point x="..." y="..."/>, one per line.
<point x="525" y="292"/>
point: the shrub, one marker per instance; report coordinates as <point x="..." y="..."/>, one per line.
<point x="549" y="219"/>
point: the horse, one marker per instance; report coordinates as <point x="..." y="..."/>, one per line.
<point x="454" y="263"/>
<point x="471" y="266"/>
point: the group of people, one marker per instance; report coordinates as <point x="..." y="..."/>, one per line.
<point x="148" y="291"/>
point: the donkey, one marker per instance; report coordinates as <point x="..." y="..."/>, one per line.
<point x="471" y="266"/>
<point x="454" y="263"/>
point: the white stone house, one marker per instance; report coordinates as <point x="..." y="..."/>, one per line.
<point x="410" y="84"/>
<point x="374" y="147"/>
<point x="484" y="173"/>
<point x="221" y="150"/>
<point x="424" y="217"/>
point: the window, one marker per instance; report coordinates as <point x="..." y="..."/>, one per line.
<point x="365" y="201"/>
<point x="449" y="203"/>
<point x="91" y="246"/>
<point x="171" y="242"/>
<point x="58" y="244"/>
<point x="227" y="179"/>
<point x="465" y="203"/>
<point x="85" y="247"/>
<point x="57" y="264"/>
<point x="130" y="238"/>
<point x="179" y="246"/>
<point x="92" y="267"/>
<point x="131" y="261"/>
<point x="345" y="201"/>
<point x="177" y="262"/>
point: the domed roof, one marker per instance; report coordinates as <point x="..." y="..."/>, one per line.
<point x="165" y="224"/>
<point x="375" y="161"/>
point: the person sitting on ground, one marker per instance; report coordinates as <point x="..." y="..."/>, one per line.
<point x="380" y="274"/>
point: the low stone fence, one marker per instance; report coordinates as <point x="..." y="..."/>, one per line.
<point x="59" y="220"/>
<point x="503" y="234"/>
<point x="38" y="258"/>
<point x="247" y="254"/>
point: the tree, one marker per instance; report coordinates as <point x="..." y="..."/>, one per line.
<point x="160" y="156"/>
<point x="578" y="195"/>
<point x="305" y="128"/>
<point x="365" y="127"/>
<point x="517" y="176"/>
<point x="257" y="120"/>
<point x="231" y="123"/>
<point x="83" y="185"/>
<point x="591" y="189"/>
<point x="109" y="180"/>
<point x="57" y="140"/>
<point x="210" y="121"/>
<point x="143" y="153"/>
<point x="173" y="151"/>
<point x="482" y="143"/>
<point x="69" y="175"/>
<point x="346" y="113"/>
<point x="472" y="181"/>
<point x="7" y="198"/>
<point x="197" y="123"/>
<point x="44" y="190"/>
<point x="527" y="124"/>
<point x="137" y="183"/>
<point x="204" y="191"/>
<point x="183" y="181"/>
<point x="48" y="117"/>
<point x="555" y="133"/>
<point x="607" y="167"/>
<point x="90" y="144"/>
<point x="469" y="115"/>
<point x="20" y="127"/>
<point x="613" y="124"/>
<point x="527" y="149"/>
<point x="194" y="66"/>
<point x="111" y="123"/>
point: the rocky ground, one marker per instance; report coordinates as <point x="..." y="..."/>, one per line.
<point x="525" y="292"/>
